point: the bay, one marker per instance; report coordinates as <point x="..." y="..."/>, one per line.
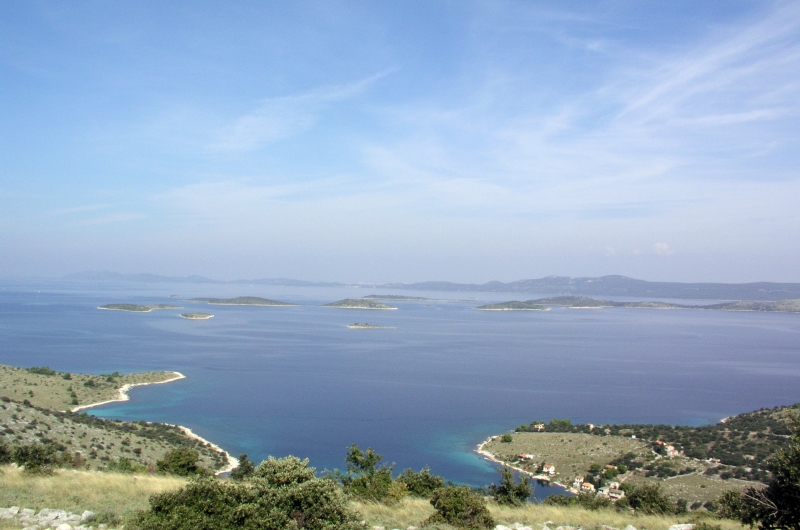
<point x="423" y="391"/>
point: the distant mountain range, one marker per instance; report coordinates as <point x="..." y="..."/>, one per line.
<point x="555" y="285"/>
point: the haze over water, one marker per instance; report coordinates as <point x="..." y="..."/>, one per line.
<point x="278" y="381"/>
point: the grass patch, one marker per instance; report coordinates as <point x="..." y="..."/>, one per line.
<point x="76" y="491"/>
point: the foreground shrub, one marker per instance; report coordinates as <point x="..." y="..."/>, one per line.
<point x="421" y="484"/>
<point x="509" y="491"/>
<point x="244" y="470"/>
<point x="281" y="495"/>
<point x="650" y="500"/>
<point x="461" y="507"/>
<point x="584" y="500"/>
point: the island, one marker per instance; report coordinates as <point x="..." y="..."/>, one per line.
<point x="243" y="300"/>
<point x="358" y="303"/>
<point x="365" y="326"/>
<point x="135" y="308"/>
<point x="513" y="305"/>
<point x="583" y="302"/>
<point x="398" y="298"/>
<point x="196" y="316"/>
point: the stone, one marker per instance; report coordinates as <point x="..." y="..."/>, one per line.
<point x="64" y="526"/>
<point x="501" y="527"/>
<point x="685" y="526"/>
<point x="85" y="515"/>
<point x="630" y="527"/>
<point x="14" y="510"/>
<point x="27" y="512"/>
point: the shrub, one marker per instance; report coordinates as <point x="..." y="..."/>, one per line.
<point x="506" y="438"/>
<point x="460" y="507"/>
<point x="42" y="370"/>
<point x="421" y="484"/>
<point x="649" y="500"/>
<point x="36" y="458"/>
<point x="280" y="495"/>
<point x="509" y="491"/>
<point x="181" y="462"/>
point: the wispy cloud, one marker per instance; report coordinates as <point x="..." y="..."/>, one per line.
<point x="282" y="117"/>
<point x="76" y="210"/>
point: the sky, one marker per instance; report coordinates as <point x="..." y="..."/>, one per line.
<point x="401" y="141"/>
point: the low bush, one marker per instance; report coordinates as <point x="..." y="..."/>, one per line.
<point x="460" y="507"/>
<point x="421" y="484"/>
<point x="509" y="491"/>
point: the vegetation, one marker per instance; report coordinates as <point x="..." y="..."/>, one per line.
<point x="461" y="507"/>
<point x="244" y="470"/>
<point x="367" y="480"/>
<point x="584" y="302"/>
<point x="421" y="484"/>
<point x="777" y="505"/>
<point x="196" y="316"/>
<point x="182" y="462"/>
<point x="282" y="494"/>
<point x="509" y="491"/>
<point x="51" y="389"/>
<point x="81" y="441"/>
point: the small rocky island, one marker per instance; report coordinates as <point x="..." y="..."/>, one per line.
<point x="242" y="300"/>
<point x="365" y="326"/>
<point x="196" y="316"/>
<point x="359" y="303"/>
<point x="513" y="305"/>
<point x="135" y="308"/>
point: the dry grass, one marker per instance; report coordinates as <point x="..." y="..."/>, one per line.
<point x="413" y="512"/>
<point x="76" y="491"/>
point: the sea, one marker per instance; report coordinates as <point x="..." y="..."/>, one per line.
<point x="424" y="391"/>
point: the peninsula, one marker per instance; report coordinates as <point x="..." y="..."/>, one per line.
<point x="365" y="326"/>
<point x="358" y="303"/>
<point x="242" y="300"/>
<point x="135" y="308"/>
<point x="693" y="463"/>
<point x="196" y="316"/>
<point x="39" y="406"/>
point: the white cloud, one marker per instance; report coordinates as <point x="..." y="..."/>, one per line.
<point x="662" y="249"/>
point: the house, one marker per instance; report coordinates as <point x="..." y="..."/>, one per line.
<point x="671" y="451"/>
<point x="576" y="484"/>
<point x="615" y="494"/>
<point x="603" y="492"/>
<point x="539" y="427"/>
<point x="549" y="469"/>
<point x="613" y="485"/>
<point x="525" y="456"/>
<point x="591" y="426"/>
<point x="587" y="487"/>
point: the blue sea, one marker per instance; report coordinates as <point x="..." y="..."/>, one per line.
<point x="423" y="392"/>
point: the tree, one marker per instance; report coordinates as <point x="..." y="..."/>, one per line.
<point x="509" y="491"/>
<point x="506" y="438"/>
<point x="461" y="507"/>
<point x="776" y="506"/>
<point x="367" y="480"/>
<point x="182" y="462"/>
<point x="244" y="469"/>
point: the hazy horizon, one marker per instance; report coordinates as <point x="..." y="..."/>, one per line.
<point x="377" y="142"/>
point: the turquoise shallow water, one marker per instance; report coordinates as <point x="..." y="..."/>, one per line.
<point x="277" y="381"/>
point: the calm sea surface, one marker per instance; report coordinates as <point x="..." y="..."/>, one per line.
<point x="278" y="381"/>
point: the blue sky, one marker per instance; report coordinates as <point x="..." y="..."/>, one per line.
<point x="401" y="141"/>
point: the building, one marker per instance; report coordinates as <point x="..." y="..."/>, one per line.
<point x="615" y="494"/>
<point x="549" y="469"/>
<point x="587" y="487"/>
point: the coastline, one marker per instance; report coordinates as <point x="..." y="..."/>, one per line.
<point x="233" y="463"/>
<point x="122" y="395"/>
<point x="122" y="392"/>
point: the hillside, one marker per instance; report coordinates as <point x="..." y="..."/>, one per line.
<point x="90" y="442"/>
